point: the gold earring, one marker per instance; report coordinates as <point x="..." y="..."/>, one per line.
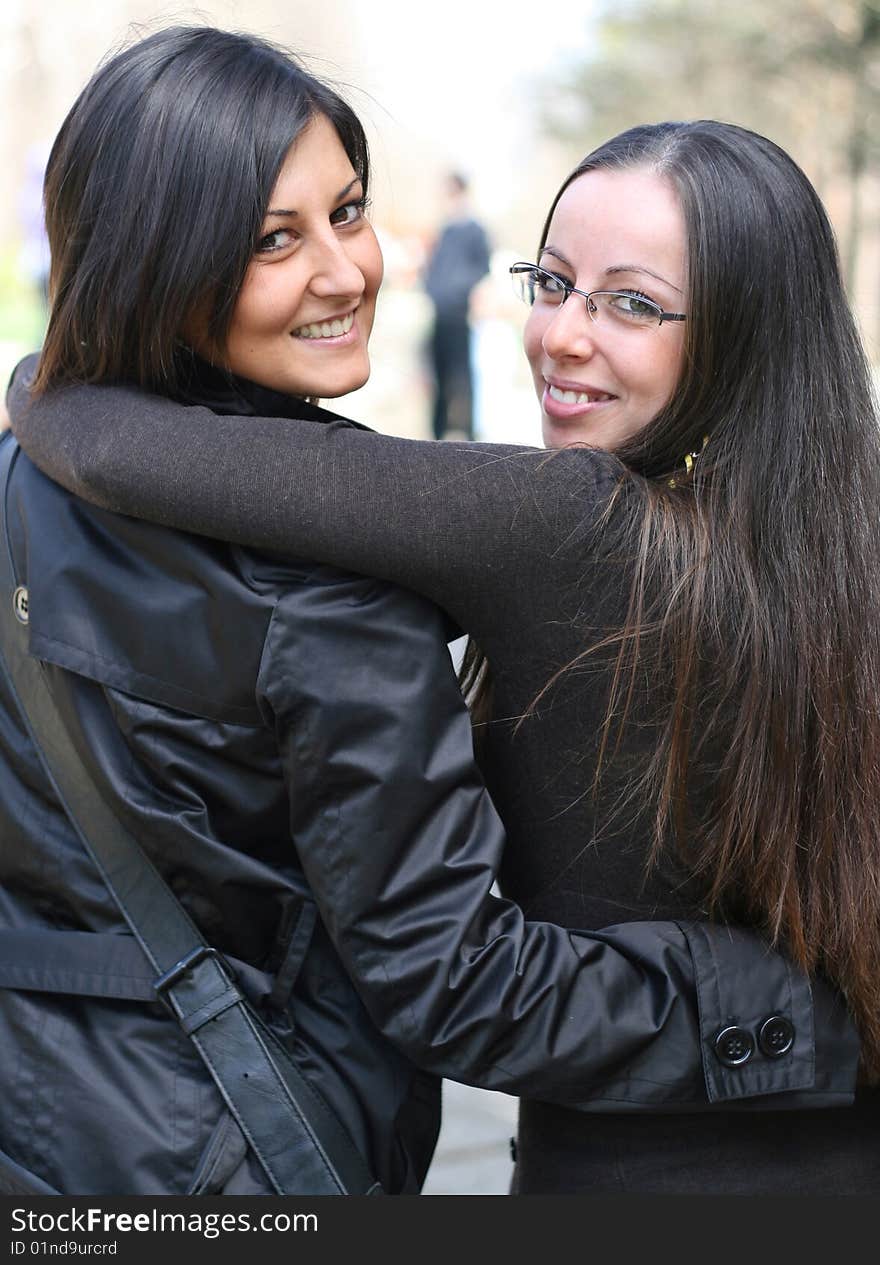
<point x="689" y="459"/>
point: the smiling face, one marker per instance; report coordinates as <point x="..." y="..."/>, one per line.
<point x="600" y="382"/>
<point x="304" y="313"/>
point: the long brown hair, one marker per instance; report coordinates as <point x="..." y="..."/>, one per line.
<point x="756" y="576"/>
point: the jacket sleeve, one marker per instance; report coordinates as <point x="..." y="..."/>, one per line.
<point x="400" y="843"/>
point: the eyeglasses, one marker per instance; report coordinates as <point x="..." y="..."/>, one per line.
<point x="624" y="307"/>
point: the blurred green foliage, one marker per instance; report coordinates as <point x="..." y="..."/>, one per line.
<point x="22" y="312"/>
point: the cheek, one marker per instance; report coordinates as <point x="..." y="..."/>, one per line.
<point x="669" y="369"/>
<point x="533" y="334"/>
<point x="649" y="373"/>
<point x="267" y="303"/>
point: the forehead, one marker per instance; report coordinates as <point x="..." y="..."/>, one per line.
<point x="316" y="163"/>
<point x="606" y="218"/>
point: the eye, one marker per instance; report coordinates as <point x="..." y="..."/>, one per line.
<point x="278" y="239"/>
<point x="350" y="213"/>
<point x="634" y="305"/>
<point x="548" y="285"/>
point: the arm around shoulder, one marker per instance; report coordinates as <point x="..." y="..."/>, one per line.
<point x="426" y="514"/>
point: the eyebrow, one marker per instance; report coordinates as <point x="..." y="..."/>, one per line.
<point x="281" y="211"/>
<point x="615" y="268"/>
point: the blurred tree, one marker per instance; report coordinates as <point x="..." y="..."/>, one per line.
<point x="804" y="72"/>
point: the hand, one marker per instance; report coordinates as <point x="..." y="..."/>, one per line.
<point x="4" y="417"/>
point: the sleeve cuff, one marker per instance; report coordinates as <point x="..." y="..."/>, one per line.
<point x="758" y="1022"/>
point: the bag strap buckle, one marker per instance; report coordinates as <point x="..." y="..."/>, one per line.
<point x="190" y="960"/>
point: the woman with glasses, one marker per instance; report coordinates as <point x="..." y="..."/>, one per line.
<point x="672" y="611"/>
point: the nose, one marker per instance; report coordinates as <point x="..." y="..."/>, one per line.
<point x="570" y="334"/>
<point x="336" y="273"/>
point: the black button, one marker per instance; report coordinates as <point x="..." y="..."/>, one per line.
<point x="734" y="1046"/>
<point x="776" y="1036"/>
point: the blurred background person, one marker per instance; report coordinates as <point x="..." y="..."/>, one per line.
<point x="458" y="260"/>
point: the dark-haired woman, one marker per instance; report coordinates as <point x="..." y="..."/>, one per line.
<point x="263" y="724"/>
<point x="677" y="607"/>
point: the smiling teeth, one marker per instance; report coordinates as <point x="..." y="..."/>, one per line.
<point x="326" y="329"/>
<point x="577" y="397"/>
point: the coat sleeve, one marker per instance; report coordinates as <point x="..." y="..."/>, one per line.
<point x="400" y="843"/>
<point x="457" y="522"/>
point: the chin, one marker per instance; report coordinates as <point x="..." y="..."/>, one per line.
<point x="558" y="437"/>
<point x="332" y="389"/>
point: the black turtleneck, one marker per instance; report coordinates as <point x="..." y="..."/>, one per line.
<point x="229" y="395"/>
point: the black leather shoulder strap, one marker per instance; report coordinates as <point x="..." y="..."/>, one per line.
<point x="302" y="1146"/>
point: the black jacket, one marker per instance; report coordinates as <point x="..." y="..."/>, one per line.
<point x="277" y="734"/>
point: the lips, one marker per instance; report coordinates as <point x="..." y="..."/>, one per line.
<point x="334" y="328"/>
<point x="564" y="400"/>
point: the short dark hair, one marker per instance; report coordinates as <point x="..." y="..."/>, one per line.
<point x="155" y="194"/>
